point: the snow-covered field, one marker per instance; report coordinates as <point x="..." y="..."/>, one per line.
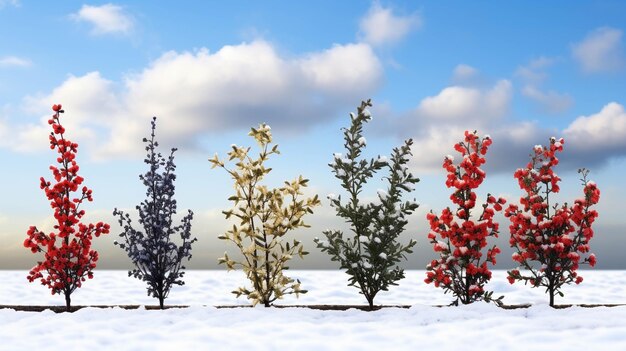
<point x="203" y="327"/>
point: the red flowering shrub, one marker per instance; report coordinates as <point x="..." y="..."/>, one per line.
<point x="553" y="236"/>
<point x="68" y="258"/>
<point x="462" y="266"/>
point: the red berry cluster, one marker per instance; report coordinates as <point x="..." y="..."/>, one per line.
<point x="67" y="251"/>
<point x="461" y="268"/>
<point x="554" y="236"/>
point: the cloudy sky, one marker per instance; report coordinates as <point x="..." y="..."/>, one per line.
<point x="211" y="70"/>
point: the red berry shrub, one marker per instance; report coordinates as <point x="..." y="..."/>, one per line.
<point x="549" y="239"/>
<point x="68" y="258"/>
<point x="457" y="237"/>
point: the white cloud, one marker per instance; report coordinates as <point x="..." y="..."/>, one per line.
<point x="451" y="103"/>
<point x="550" y="101"/>
<point x="600" y="51"/>
<point x="465" y="103"/>
<point x="541" y="62"/>
<point x="440" y="120"/>
<point x="342" y="68"/>
<point x="534" y="74"/>
<point x="464" y="72"/>
<point x="590" y="140"/>
<point x="381" y="26"/>
<point x="605" y="129"/>
<point x="430" y="149"/>
<point x="197" y="93"/>
<point x="106" y="19"/>
<point x="512" y="143"/>
<point x="4" y="132"/>
<point x="14" y="61"/>
<point x="14" y="3"/>
<point x="91" y="101"/>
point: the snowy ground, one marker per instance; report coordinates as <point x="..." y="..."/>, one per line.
<point x="203" y="327"/>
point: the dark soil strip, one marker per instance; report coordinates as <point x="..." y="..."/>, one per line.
<point x="592" y="305"/>
<point x="59" y="309"/>
<point x="325" y="307"/>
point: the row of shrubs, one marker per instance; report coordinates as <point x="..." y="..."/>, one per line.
<point x="549" y="239"/>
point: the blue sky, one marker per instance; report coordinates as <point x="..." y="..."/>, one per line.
<point x="209" y="71"/>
